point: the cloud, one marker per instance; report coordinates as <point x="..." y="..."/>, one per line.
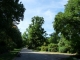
<point x="48" y="14"/>
<point x="23" y="25"/>
<point x="43" y="8"/>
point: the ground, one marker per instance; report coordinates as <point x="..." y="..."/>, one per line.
<point x="27" y="54"/>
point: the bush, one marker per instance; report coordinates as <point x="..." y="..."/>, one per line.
<point x="52" y="50"/>
<point x="49" y="49"/>
<point x="62" y="49"/>
<point x="53" y="47"/>
<point x="65" y="45"/>
<point x="38" y="48"/>
<point x="44" y="48"/>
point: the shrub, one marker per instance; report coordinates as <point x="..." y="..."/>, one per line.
<point x="53" y="47"/>
<point x="44" y="48"/>
<point x="52" y="50"/>
<point x="38" y="48"/>
<point x="49" y="49"/>
<point x="64" y="45"/>
<point x="62" y="49"/>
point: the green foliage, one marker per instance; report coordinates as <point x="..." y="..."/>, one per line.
<point x="52" y="47"/>
<point x="53" y="38"/>
<point x="44" y="48"/>
<point x="52" y="50"/>
<point x="5" y="44"/>
<point x="25" y="39"/>
<point x="63" y="49"/>
<point x="38" y="48"/>
<point x="49" y="49"/>
<point x="9" y="55"/>
<point x="45" y="43"/>
<point x="64" y="45"/>
<point x="68" y="23"/>
<point x="10" y="40"/>
<point x="36" y="36"/>
<point x="15" y="35"/>
<point x="11" y="12"/>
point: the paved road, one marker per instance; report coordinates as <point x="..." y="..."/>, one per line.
<point x="30" y="55"/>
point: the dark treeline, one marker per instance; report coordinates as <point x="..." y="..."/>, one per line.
<point x="11" y="12"/>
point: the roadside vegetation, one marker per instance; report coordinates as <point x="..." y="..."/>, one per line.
<point x="11" y="13"/>
<point x="9" y="55"/>
<point x="65" y="38"/>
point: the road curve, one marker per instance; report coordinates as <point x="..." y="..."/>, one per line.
<point x="27" y="54"/>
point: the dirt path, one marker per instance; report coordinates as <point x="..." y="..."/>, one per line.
<point x="31" y="55"/>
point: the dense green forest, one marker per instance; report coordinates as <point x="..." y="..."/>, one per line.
<point x="64" y="39"/>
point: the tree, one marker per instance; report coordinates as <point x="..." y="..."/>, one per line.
<point x="64" y="45"/>
<point x="53" y="38"/>
<point x="11" y="13"/>
<point x="25" y="38"/>
<point x="15" y="35"/>
<point x="68" y="23"/>
<point x="36" y="34"/>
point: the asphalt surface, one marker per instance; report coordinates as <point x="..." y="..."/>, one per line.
<point x="26" y="54"/>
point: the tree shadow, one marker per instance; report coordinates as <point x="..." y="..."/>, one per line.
<point x="30" y="55"/>
<point x="9" y="55"/>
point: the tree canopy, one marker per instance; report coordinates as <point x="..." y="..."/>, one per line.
<point x="54" y="37"/>
<point x="11" y="13"/>
<point x="68" y="23"/>
<point x="36" y="34"/>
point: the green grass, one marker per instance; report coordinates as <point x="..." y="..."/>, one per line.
<point x="10" y="55"/>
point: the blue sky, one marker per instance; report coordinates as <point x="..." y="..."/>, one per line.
<point x="43" y="8"/>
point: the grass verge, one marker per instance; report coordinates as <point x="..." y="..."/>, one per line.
<point x="10" y="55"/>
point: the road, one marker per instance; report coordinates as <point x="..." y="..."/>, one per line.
<point x="27" y="54"/>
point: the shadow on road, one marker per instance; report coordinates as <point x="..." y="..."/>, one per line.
<point x="30" y="55"/>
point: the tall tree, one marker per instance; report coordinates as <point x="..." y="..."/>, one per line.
<point x="11" y="13"/>
<point x="15" y="35"/>
<point x="68" y="23"/>
<point x="36" y="34"/>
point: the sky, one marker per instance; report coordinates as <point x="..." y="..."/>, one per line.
<point x="43" y="8"/>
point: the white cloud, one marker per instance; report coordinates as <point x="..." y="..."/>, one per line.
<point x="43" y="8"/>
<point x="49" y="15"/>
<point x="23" y="25"/>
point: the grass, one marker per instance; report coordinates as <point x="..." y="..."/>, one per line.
<point x="10" y="55"/>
